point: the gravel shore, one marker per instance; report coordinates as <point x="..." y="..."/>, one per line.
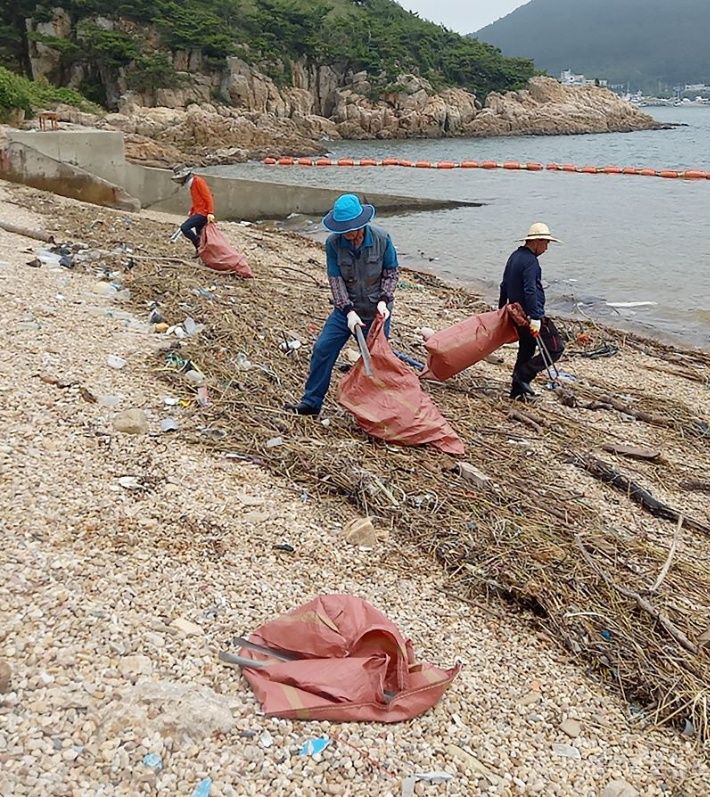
<point x="110" y="538"/>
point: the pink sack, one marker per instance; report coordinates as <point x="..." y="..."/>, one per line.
<point x="472" y="340"/>
<point x="391" y="404"/>
<point x="217" y="253"/>
<point x="348" y="662"/>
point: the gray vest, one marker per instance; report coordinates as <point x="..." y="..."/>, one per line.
<point x="363" y="274"/>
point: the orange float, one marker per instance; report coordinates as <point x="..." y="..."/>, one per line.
<point x="390" y="162"/>
<point x="305" y="162"/>
<point x="647" y="172"/>
<point x="446" y="165"/>
<point x="324" y="162"/>
<point x="569" y="167"/>
<point x="469" y="164"/>
<point x="588" y="170"/>
<point x="629" y="170"/>
<point x="423" y="165"/>
<point x="611" y="170"/>
<point x="512" y="165"/>
<point x="346" y="162"/>
<point x="534" y="167"/>
<point x="553" y="167"/>
<point x="669" y="173"/>
<point x="489" y="165"/>
<point x="405" y="163"/>
<point x="285" y="161"/>
<point x="368" y="162"/>
<point x="269" y="161"/>
<point x="696" y="175"/>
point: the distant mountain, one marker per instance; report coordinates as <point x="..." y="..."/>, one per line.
<point x="641" y="42"/>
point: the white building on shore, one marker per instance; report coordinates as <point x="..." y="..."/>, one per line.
<point x="569" y="78"/>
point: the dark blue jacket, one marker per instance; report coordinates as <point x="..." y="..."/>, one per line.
<point x="522" y="283"/>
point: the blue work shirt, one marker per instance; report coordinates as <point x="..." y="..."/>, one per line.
<point x="522" y="283"/>
<point x="389" y="259"/>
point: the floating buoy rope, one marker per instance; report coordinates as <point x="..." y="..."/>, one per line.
<point x="688" y="174"/>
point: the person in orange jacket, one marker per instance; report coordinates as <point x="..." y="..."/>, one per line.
<point x="202" y="208"/>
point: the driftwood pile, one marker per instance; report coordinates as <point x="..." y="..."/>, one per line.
<point x="560" y="529"/>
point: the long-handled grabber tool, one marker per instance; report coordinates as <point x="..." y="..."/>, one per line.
<point x="547" y="359"/>
<point x="364" y="351"/>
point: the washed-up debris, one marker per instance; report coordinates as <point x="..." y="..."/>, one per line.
<point x="170" y="401"/>
<point x="634" y="452"/>
<point x="314" y="747"/>
<point x="274" y="442"/>
<point x="284" y="546"/>
<point x="153" y="761"/>
<point x="114" y="361"/>
<point x="191" y="327"/>
<point x="194" y="377"/>
<point x="187" y="627"/>
<point x="410" y="781"/>
<point x="566" y="751"/>
<point x="203" y="397"/>
<point x="266" y="740"/>
<point x="130" y="483"/>
<point x="468" y="761"/>
<point x="242" y="362"/>
<point x="169" y="425"/>
<point x="473" y="475"/>
<point x="203" y="788"/>
<point x="155" y="316"/>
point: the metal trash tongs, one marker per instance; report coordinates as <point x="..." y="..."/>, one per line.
<point x="364" y="351"/>
<point x="547" y="359"/>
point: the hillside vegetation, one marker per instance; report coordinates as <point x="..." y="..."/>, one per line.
<point x="642" y="42"/>
<point x="374" y="35"/>
<point x="19" y="93"/>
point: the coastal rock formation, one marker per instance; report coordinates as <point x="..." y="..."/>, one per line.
<point x="545" y="107"/>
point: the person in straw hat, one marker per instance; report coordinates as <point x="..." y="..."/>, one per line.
<point x="363" y="273"/>
<point x="522" y="283"/>
<point x="201" y="208"/>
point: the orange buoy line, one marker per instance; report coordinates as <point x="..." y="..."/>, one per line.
<point x="688" y="174"/>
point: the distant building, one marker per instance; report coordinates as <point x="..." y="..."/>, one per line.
<point x="569" y="78"/>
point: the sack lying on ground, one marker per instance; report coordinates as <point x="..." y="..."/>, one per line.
<point x="391" y="404"/>
<point x="464" y="344"/>
<point x="217" y="253"/>
<point x="349" y="663"/>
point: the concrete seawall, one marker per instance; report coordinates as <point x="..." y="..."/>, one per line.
<point x="92" y="163"/>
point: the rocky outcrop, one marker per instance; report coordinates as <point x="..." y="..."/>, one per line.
<point x="546" y="107"/>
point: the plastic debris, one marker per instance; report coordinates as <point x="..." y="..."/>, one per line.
<point x="192" y="327"/>
<point x="606" y="634"/>
<point x="203" y="788"/>
<point x="170" y="401"/>
<point x="153" y="761"/>
<point x="114" y="361"/>
<point x="195" y="377"/>
<point x="242" y="362"/>
<point x="169" y="425"/>
<point x="566" y="751"/>
<point x="274" y="442"/>
<point x="266" y="740"/>
<point x="156" y="317"/>
<point x="284" y="546"/>
<point x="203" y="397"/>
<point x="410" y="781"/>
<point x="130" y="483"/>
<point x="314" y="746"/>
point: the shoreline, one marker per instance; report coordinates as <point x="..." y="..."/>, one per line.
<point x="204" y="519"/>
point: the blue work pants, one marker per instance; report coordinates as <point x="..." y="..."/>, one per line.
<point x="333" y="337"/>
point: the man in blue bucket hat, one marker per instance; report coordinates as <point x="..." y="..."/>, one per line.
<point x="363" y="273"/>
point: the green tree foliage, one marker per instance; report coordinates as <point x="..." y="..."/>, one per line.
<point x="19" y="93"/>
<point x="641" y="42"/>
<point x="374" y="35"/>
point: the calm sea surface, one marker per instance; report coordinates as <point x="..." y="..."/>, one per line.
<point x="626" y="238"/>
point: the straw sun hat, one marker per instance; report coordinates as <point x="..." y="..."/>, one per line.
<point x="540" y="232"/>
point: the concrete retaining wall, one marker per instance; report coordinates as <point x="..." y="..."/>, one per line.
<point x="22" y="164"/>
<point x="75" y="156"/>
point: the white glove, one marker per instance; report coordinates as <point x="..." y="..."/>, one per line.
<point x="210" y="218"/>
<point x="534" y="324"/>
<point x="354" y="320"/>
<point x="382" y="309"/>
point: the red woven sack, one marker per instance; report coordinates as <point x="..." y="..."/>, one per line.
<point x="464" y="344"/>
<point x="338" y="658"/>
<point x="391" y="404"/>
<point x="217" y="253"/>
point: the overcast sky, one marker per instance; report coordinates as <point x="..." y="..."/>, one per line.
<point x="465" y="16"/>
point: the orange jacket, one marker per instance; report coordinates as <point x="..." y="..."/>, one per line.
<point x="202" y="199"/>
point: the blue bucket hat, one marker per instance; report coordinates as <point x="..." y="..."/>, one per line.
<point x="348" y="214"/>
